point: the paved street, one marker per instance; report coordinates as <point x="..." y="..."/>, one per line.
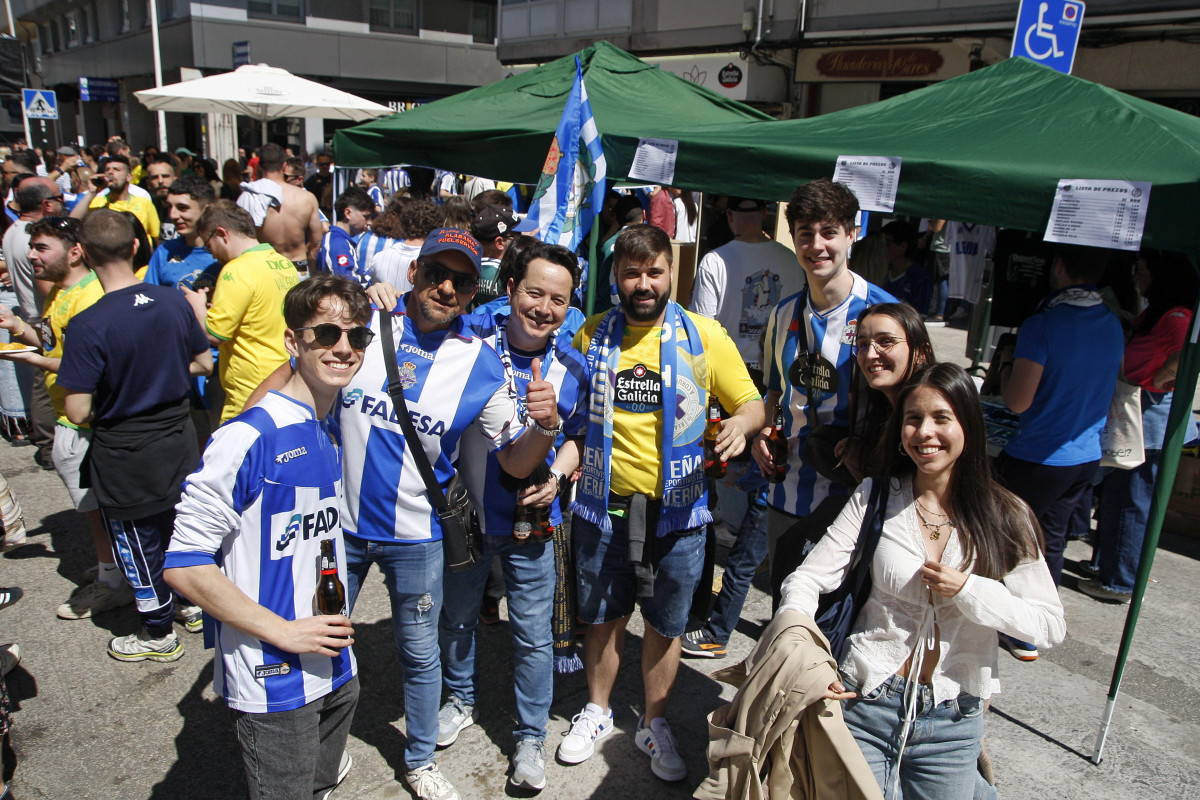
<point x="91" y="727"/>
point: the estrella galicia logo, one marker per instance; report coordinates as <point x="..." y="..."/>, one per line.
<point x="351" y="397"/>
<point x="638" y="390"/>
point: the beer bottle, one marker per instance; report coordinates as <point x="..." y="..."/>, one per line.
<point x="714" y="465"/>
<point x="331" y="594"/>
<point x="522" y="528"/>
<point x="778" y="445"/>
<point x="543" y="528"/>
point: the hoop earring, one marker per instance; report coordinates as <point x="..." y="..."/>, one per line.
<point x="900" y="447"/>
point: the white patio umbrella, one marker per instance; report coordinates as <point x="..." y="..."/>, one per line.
<point x="262" y="92"/>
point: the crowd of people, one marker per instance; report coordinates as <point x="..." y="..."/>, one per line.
<point x="266" y="388"/>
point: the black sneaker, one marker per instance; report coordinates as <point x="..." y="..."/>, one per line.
<point x="701" y="644"/>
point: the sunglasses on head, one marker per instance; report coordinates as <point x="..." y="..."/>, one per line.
<point x="438" y="273"/>
<point x="64" y="224"/>
<point x="327" y="335"/>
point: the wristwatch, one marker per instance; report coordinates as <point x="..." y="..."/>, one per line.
<point x="550" y="432"/>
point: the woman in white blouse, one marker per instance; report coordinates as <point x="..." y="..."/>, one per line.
<point x="959" y="559"/>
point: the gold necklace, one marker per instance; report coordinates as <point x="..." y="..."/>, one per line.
<point x="935" y="528"/>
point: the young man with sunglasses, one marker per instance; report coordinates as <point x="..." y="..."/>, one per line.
<point x="57" y="258"/>
<point x="125" y="371"/>
<point x="243" y="319"/>
<point x="287" y="673"/>
<point x="807" y="348"/>
<point x="455" y="386"/>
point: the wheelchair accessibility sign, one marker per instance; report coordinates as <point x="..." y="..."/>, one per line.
<point x="1048" y="32"/>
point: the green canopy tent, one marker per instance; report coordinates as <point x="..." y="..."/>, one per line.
<point x="988" y="147"/>
<point x="503" y="131"/>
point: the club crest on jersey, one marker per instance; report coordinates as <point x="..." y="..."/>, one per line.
<point x="848" y="332"/>
<point x="408" y="374"/>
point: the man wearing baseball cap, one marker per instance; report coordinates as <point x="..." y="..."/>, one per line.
<point x="454" y="386"/>
<point x="493" y="227"/>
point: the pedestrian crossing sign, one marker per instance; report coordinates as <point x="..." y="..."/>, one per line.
<point x="39" y="104"/>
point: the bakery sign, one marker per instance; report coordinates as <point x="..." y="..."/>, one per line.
<point x="880" y="63"/>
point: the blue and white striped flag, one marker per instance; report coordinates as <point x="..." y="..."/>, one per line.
<point x="566" y="203"/>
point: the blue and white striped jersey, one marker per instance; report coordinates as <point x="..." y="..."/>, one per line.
<point x="369" y="245"/>
<point x="832" y="333"/>
<point x="266" y="494"/>
<point x="562" y="366"/>
<point x="452" y="380"/>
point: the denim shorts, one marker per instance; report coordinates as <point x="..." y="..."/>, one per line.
<point x="608" y="589"/>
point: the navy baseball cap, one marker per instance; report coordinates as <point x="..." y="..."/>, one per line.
<point x="444" y="239"/>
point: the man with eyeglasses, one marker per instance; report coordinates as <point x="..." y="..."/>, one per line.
<point x="285" y="215"/>
<point x="807" y="357"/>
<point x="36" y="198"/>
<point x="455" y="385"/>
<point x="287" y="673"/>
<point x="244" y="318"/>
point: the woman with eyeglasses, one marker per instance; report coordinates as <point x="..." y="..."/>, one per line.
<point x="891" y="343"/>
<point x="959" y="559"/>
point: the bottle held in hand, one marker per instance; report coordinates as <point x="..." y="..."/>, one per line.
<point x="778" y="445"/>
<point x="331" y="593"/>
<point x="522" y="530"/>
<point x="714" y="464"/>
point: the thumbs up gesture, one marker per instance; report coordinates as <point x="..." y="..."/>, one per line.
<point x="541" y="406"/>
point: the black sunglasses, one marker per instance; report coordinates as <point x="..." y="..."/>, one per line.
<point x="66" y="225"/>
<point x="438" y="273"/>
<point x="327" y="335"/>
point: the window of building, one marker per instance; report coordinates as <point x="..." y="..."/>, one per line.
<point x="91" y="31"/>
<point x="474" y="17"/>
<point x="45" y="41"/>
<point x="124" y="26"/>
<point x="70" y="25"/>
<point x="287" y="10"/>
<point x="396" y="16"/>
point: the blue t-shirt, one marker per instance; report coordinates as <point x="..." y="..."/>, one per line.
<point x="1080" y="349"/>
<point x="176" y="263"/>
<point x="914" y="287"/>
<point x="131" y="351"/>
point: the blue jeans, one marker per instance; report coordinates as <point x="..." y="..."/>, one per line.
<point x="412" y="572"/>
<point x="1121" y="525"/>
<point x="529" y="577"/>
<point x="296" y="753"/>
<point x="942" y="749"/>
<point x="748" y="551"/>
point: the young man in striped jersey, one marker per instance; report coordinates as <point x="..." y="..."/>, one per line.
<point x="338" y="254"/>
<point x="807" y="346"/>
<point x="247" y="540"/>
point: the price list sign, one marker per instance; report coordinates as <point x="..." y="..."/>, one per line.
<point x="873" y="179"/>
<point x="1108" y="214"/>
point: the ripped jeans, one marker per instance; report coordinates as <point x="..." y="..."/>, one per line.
<point x="412" y="572"/>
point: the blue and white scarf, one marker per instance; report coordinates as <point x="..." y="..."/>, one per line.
<point x="684" y="393"/>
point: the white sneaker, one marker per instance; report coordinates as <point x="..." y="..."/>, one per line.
<point x="587" y="727"/>
<point x="10" y="656"/>
<point x="657" y="741"/>
<point x="428" y="783"/>
<point x="343" y="770"/>
<point x="141" y="647"/>
<point x="192" y="617"/>
<point x="454" y="717"/>
<point x="94" y="598"/>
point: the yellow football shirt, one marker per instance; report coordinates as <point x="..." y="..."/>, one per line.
<point x="637" y="408"/>
<point x="60" y="306"/>
<point x="140" y="207"/>
<point x="247" y="316"/>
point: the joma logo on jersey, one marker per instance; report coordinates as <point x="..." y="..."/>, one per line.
<point x="383" y="408"/>
<point x="283" y="458"/>
<point x="303" y="527"/>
